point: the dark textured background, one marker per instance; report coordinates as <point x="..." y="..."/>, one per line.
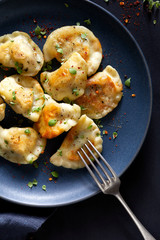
<point x="102" y="217"/>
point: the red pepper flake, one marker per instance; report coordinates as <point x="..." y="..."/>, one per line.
<point x="110" y="138"/>
<point x="126" y="20"/>
<point x="133" y="95"/>
<point x="138" y="14"/>
<point x="121" y="3"/>
<point x="50" y="179"/>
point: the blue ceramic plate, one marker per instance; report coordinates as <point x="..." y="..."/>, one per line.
<point x="130" y="119"/>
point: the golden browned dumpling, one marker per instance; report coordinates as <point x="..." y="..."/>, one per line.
<point x="62" y="42"/>
<point x="2" y="109"/>
<point x="24" y="95"/>
<point x="57" y="118"/>
<point x="69" y="81"/>
<point x="66" y="155"/>
<point x="17" y="50"/>
<point x="102" y="94"/>
<point x="21" y="145"/>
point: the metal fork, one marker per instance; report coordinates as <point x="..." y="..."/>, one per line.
<point x="110" y="184"/>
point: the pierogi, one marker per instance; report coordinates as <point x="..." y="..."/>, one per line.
<point x="2" y="109"/>
<point x="19" y="51"/>
<point x="21" y="145"/>
<point x="62" y="42"/>
<point x="102" y="94"/>
<point x="69" y="81"/>
<point x="24" y="94"/>
<point x="57" y="118"/>
<point x="66" y="155"/>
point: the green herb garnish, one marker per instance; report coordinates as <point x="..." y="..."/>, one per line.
<point x="52" y="122"/>
<point x="84" y="36"/>
<point x="60" y="50"/>
<point x="35" y="182"/>
<point x="6" y="142"/>
<point x="19" y="67"/>
<point x="12" y="103"/>
<point x="30" y="184"/>
<point x="89" y="127"/>
<point x="72" y="71"/>
<point x="75" y="91"/>
<point x="27" y="131"/>
<point x="59" y="152"/>
<point x="55" y="174"/>
<point x="14" y="95"/>
<point x="36" y="109"/>
<point x="88" y="21"/>
<point x="66" y="5"/>
<point x="44" y="187"/>
<point x="115" y="134"/>
<point x="128" y="82"/>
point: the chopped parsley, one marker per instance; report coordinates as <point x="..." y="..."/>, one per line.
<point x="82" y="108"/>
<point x="44" y="188"/>
<point x="72" y="71"/>
<point x="6" y="142"/>
<point x="75" y="91"/>
<point x="19" y="67"/>
<point x="39" y="32"/>
<point x="66" y="5"/>
<point x="87" y="21"/>
<point x="128" y="82"/>
<point x="89" y="127"/>
<point x="55" y="174"/>
<point x="27" y="131"/>
<point x="33" y="183"/>
<point x="52" y="122"/>
<point x="152" y="3"/>
<point x="12" y="103"/>
<point x="59" y="49"/>
<point x="30" y="184"/>
<point x="84" y="36"/>
<point x="14" y="95"/>
<point x="47" y="66"/>
<point x="59" y="152"/>
<point x="115" y="134"/>
<point x="36" y="109"/>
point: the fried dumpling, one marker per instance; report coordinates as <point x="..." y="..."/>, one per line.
<point x="69" y="81"/>
<point x="21" y="145"/>
<point x="62" y="42"/>
<point x="24" y="94"/>
<point x="2" y="109"/>
<point x="17" y="50"/>
<point x="102" y="94"/>
<point x="66" y="155"/>
<point x="57" y="118"/>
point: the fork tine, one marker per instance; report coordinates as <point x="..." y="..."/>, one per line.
<point x="93" y="165"/>
<point x="90" y="171"/>
<point x="105" y="162"/>
<point x="100" y="165"/>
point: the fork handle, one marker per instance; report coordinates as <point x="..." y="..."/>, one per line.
<point x="146" y="235"/>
